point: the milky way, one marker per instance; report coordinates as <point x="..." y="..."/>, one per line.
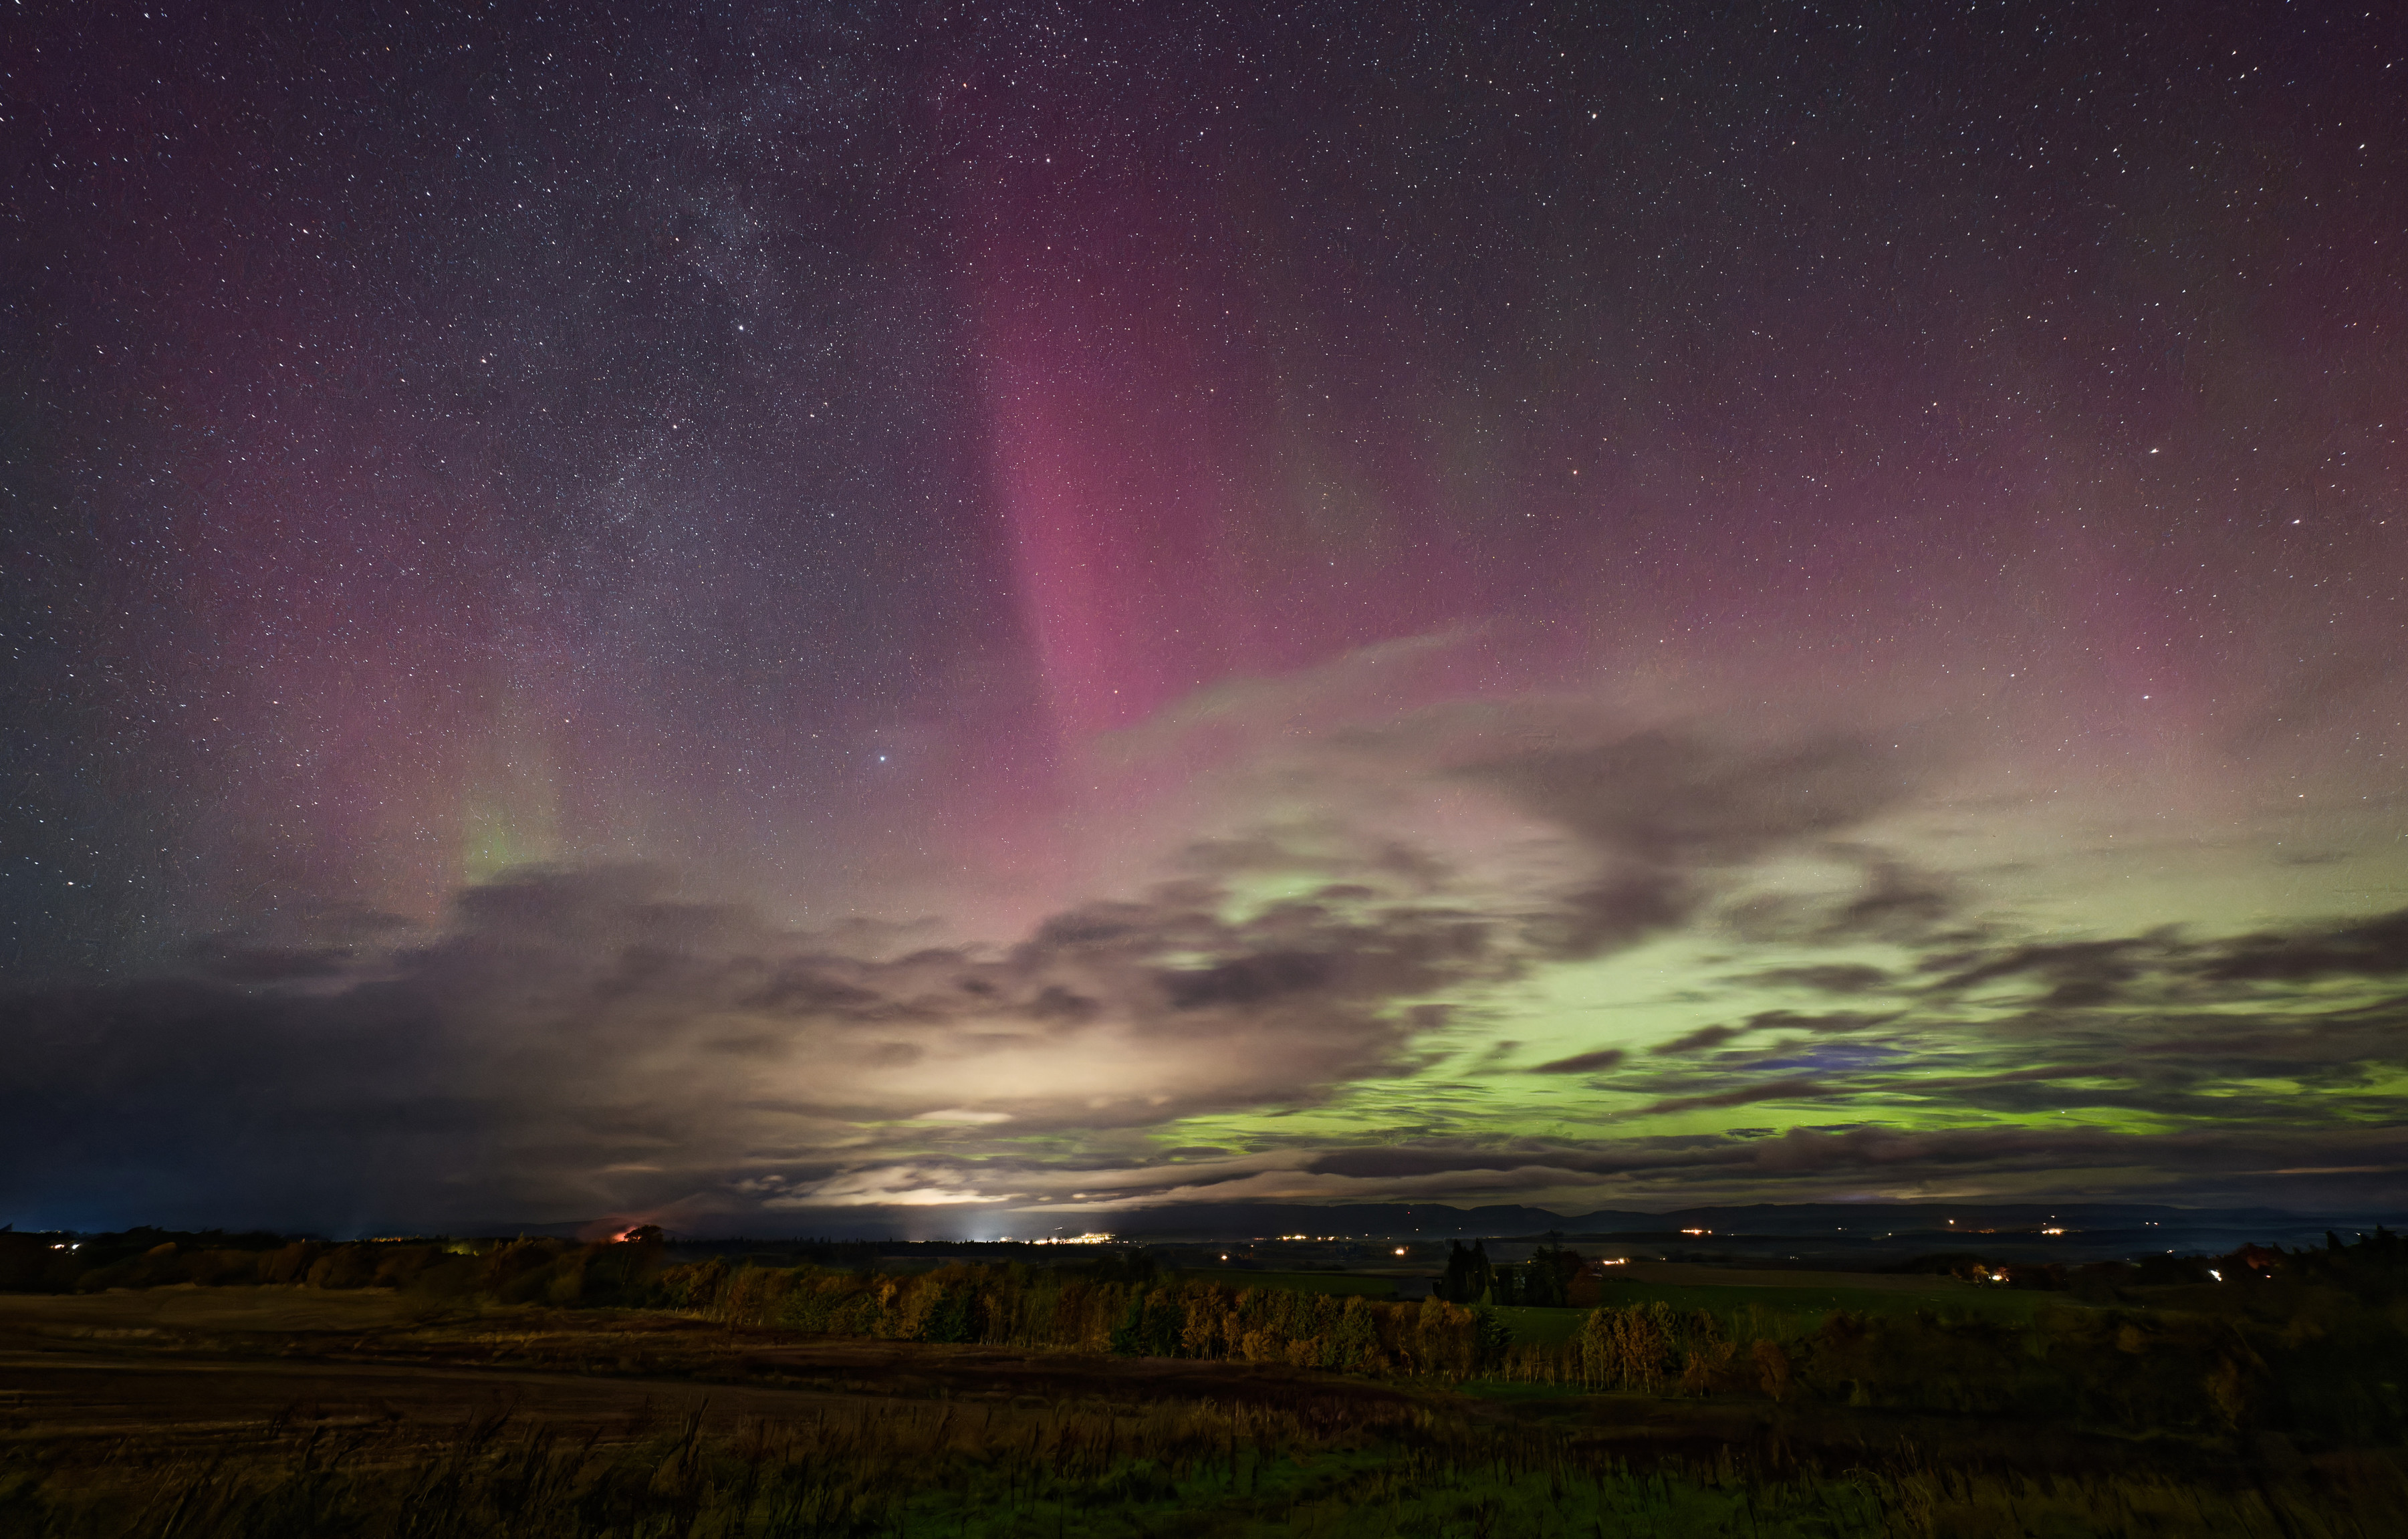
<point x="977" y="615"/>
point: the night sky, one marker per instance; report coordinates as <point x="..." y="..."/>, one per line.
<point x="751" y="615"/>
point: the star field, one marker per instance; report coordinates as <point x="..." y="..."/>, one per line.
<point x="726" y="611"/>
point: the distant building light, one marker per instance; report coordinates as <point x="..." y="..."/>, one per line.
<point x="1400" y="1250"/>
<point x="1696" y="1231"/>
<point x="2052" y="1231"/>
<point x="2217" y="1275"/>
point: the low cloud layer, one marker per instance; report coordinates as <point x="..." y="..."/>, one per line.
<point x="583" y="1043"/>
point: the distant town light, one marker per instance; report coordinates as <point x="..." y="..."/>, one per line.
<point x="1696" y="1231"/>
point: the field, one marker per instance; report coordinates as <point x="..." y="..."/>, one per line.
<point x="265" y="1412"/>
<point x="1342" y="1284"/>
<point x="1811" y="1295"/>
<point x="1758" y="1304"/>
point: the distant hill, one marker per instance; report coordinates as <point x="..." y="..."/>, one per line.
<point x="1237" y="1220"/>
<point x="1857" y="1234"/>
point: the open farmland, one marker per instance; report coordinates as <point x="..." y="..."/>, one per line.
<point x="267" y="1410"/>
<point x="1810" y="1296"/>
<point x="1342" y="1284"/>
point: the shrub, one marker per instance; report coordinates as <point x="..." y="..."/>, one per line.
<point x="222" y="1268"/>
<point x="291" y="1263"/>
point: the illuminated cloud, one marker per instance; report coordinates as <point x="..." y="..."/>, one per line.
<point x="582" y="1041"/>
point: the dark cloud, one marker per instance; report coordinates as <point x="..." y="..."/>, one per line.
<point x="2007" y="1151"/>
<point x="1246" y="980"/>
<point x="2078" y="973"/>
<point x="1833" y="978"/>
<point x="1661" y="814"/>
<point x="1898" y="904"/>
<point x="1676" y="801"/>
<point x="1052" y="1004"/>
<point x="1751" y="1162"/>
<point x="1698" y="1040"/>
<point x="2374" y="948"/>
<point x="584" y="1042"/>
<point x="1583" y="1063"/>
<point x="1610" y="915"/>
<point x="1836" y="1020"/>
<point x="1767" y="1020"/>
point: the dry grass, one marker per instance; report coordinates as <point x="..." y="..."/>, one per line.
<point x="271" y="1412"/>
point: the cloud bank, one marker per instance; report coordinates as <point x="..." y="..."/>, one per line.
<point x="1339" y="1017"/>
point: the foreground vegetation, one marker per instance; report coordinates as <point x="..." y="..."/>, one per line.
<point x="1108" y="1398"/>
<point x="1199" y="1469"/>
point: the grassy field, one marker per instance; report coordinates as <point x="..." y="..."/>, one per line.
<point x="1300" y="1282"/>
<point x="1779" y="1303"/>
<point x="1801" y="1296"/>
<point x="280" y="1310"/>
<point x="898" y="1470"/>
<point x="1543" y="1327"/>
<point x="1809" y="1303"/>
<point x="279" y="1413"/>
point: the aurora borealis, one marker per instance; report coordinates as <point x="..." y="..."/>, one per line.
<point x="730" y="613"/>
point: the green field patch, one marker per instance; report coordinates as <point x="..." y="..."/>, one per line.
<point x="1541" y="1326"/>
<point x="1515" y="1391"/>
<point x="1804" y="1308"/>
<point x="860" y="1468"/>
<point x="1339" y="1283"/>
